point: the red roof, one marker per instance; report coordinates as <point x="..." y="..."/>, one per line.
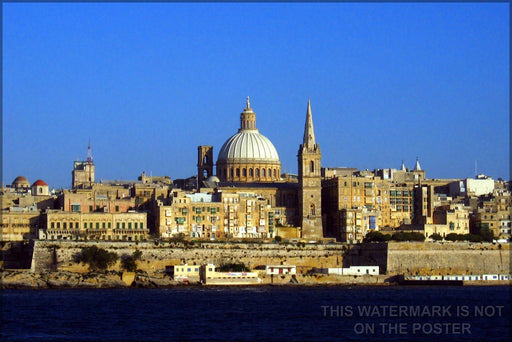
<point x="40" y="182"/>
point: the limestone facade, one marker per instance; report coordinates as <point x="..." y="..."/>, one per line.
<point x="310" y="186"/>
<point x="61" y="225"/>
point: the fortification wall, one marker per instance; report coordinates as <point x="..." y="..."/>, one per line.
<point x="392" y="258"/>
<point x="448" y="258"/>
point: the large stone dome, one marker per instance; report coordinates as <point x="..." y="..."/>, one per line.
<point x="20" y="182"/>
<point x="248" y="145"/>
<point x="248" y="156"/>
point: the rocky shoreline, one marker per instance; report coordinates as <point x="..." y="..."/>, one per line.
<point x="26" y="279"/>
<point x="21" y="279"/>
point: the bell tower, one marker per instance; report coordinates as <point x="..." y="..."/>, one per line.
<point x="310" y="186"/>
<point x="204" y="163"/>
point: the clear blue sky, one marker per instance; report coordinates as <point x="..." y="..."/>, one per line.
<point x="147" y="83"/>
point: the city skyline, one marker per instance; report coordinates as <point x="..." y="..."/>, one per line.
<point x="147" y="83"/>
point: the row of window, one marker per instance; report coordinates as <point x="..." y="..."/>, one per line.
<point x="91" y="225"/>
<point x="251" y="172"/>
<point x="76" y="208"/>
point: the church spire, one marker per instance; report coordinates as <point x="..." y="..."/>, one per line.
<point x="417" y="167"/>
<point x="309" y="141"/>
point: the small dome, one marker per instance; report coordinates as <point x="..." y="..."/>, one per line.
<point x="20" y="182"/>
<point x="213" y="179"/>
<point x="39" y="182"/>
<point x="248" y="145"/>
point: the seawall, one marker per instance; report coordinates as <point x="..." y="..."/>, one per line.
<point x="392" y="258"/>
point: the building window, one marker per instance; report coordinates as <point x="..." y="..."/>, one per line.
<point x="311" y="166"/>
<point x="129" y="225"/>
<point x="117" y="208"/>
<point x="251" y="173"/>
<point x="244" y="172"/>
<point x="257" y="172"/>
<point x="263" y="172"/>
<point x="312" y="210"/>
<point x="237" y="172"/>
<point x="97" y="225"/>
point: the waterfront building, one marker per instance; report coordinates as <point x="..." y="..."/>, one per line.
<point x="239" y="214"/>
<point x="62" y="225"/>
<point x="20" y="223"/>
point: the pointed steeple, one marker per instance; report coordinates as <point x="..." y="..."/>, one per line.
<point x="402" y="168"/>
<point x="417" y="166"/>
<point x="309" y="141"/>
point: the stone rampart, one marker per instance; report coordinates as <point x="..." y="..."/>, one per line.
<point x="392" y="258"/>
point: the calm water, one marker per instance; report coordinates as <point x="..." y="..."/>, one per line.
<point x="259" y="313"/>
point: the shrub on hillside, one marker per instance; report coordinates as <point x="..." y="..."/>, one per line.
<point x="98" y="259"/>
<point x="129" y="262"/>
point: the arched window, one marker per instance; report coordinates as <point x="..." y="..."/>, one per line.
<point x="237" y="172"/>
<point x="312" y="209"/>
<point x="251" y="174"/>
<point x="269" y="173"/>
<point x="244" y="172"/>
<point x="311" y="166"/>
<point x="263" y="173"/>
<point x="205" y="160"/>
<point x="275" y="173"/>
<point x="257" y="173"/>
<point x="231" y="172"/>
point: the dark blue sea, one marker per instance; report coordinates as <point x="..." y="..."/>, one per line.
<point x="334" y="313"/>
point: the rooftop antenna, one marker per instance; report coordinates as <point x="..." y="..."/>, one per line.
<point x="89" y="155"/>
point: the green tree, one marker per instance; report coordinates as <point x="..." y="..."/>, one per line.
<point x="129" y="262"/>
<point x="452" y="237"/>
<point x="375" y="236"/>
<point x="278" y="239"/>
<point x="98" y="259"/>
<point x="436" y="237"/>
<point x="486" y="234"/>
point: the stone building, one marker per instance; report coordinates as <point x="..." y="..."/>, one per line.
<point x="82" y="175"/>
<point x="98" y="198"/>
<point x="61" y="225"/>
<point x="18" y="224"/>
<point x="237" y="214"/>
